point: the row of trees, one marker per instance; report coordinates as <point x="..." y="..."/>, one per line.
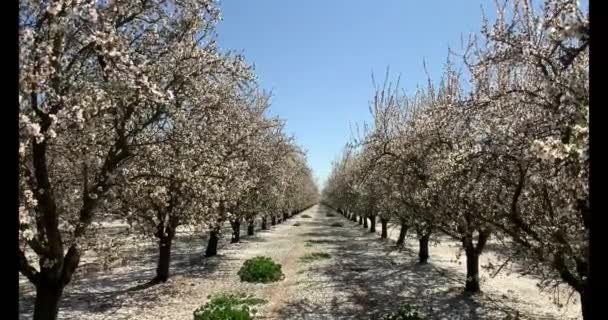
<point x="128" y="110"/>
<point x="507" y="158"/>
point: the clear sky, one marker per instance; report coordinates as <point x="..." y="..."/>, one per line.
<point x="317" y="56"/>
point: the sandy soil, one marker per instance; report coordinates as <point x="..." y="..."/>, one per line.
<point x="508" y="282"/>
<point x="363" y="278"/>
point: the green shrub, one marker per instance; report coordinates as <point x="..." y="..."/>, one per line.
<point x="260" y="269"/>
<point x="405" y="312"/>
<point x="337" y="224"/>
<point x="297" y="224"/>
<point x="315" y="256"/>
<point x="306" y="216"/>
<point x="308" y="244"/>
<point x="228" y="306"/>
<point x="329" y="214"/>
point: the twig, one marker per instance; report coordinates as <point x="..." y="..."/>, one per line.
<point x="502" y="266"/>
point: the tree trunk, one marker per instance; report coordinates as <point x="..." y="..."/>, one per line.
<point x="585" y="296"/>
<point x="423" y="249"/>
<point x="273" y="220"/>
<point x="212" y="244"/>
<point x="365" y="222"/>
<point x="48" y="295"/>
<point x="372" y="227"/>
<point x="472" y="281"/>
<point x="360" y="220"/>
<point x="164" y="258"/>
<point x="384" y="223"/>
<point x="402" y="233"/>
<point x="251" y="227"/>
<point x="264" y="221"/>
<point x="285" y="215"/>
<point x="236" y="231"/>
<point x="353" y="217"/>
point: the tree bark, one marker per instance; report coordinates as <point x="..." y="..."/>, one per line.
<point x="48" y="295"/>
<point x="273" y="220"/>
<point x="402" y="233"/>
<point x="164" y="258"/>
<point x="236" y="231"/>
<point x="264" y="223"/>
<point x="212" y="243"/>
<point x="372" y="227"/>
<point x="360" y="220"/>
<point x="365" y="222"/>
<point x="384" y="223"/>
<point x="50" y="283"/>
<point x="472" y="253"/>
<point x="472" y="280"/>
<point x="585" y="296"/>
<point x="423" y="249"/>
<point x="251" y="227"/>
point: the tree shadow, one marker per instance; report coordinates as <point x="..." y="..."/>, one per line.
<point x="105" y="291"/>
<point x="368" y="278"/>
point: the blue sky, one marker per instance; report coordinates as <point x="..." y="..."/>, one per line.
<point x="317" y="56"/>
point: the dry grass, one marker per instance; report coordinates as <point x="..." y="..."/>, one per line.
<point x="309" y="257"/>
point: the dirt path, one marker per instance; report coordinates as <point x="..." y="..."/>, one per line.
<point x="363" y="278"/>
<point x="121" y="293"/>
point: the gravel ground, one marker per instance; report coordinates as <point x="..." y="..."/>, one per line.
<point x="363" y="278"/>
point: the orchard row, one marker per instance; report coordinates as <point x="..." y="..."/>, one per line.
<point x="128" y="110"/>
<point x="507" y="159"/>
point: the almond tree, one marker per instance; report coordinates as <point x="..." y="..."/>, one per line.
<point x="400" y="150"/>
<point x="236" y="143"/>
<point x="410" y="140"/>
<point x="256" y="153"/>
<point x="273" y="172"/>
<point x="301" y="191"/>
<point x="532" y="82"/>
<point x="167" y="185"/>
<point x="511" y="158"/>
<point x="339" y="190"/>
<point x="268" y="161"/>
<point x="92" y="81"/>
